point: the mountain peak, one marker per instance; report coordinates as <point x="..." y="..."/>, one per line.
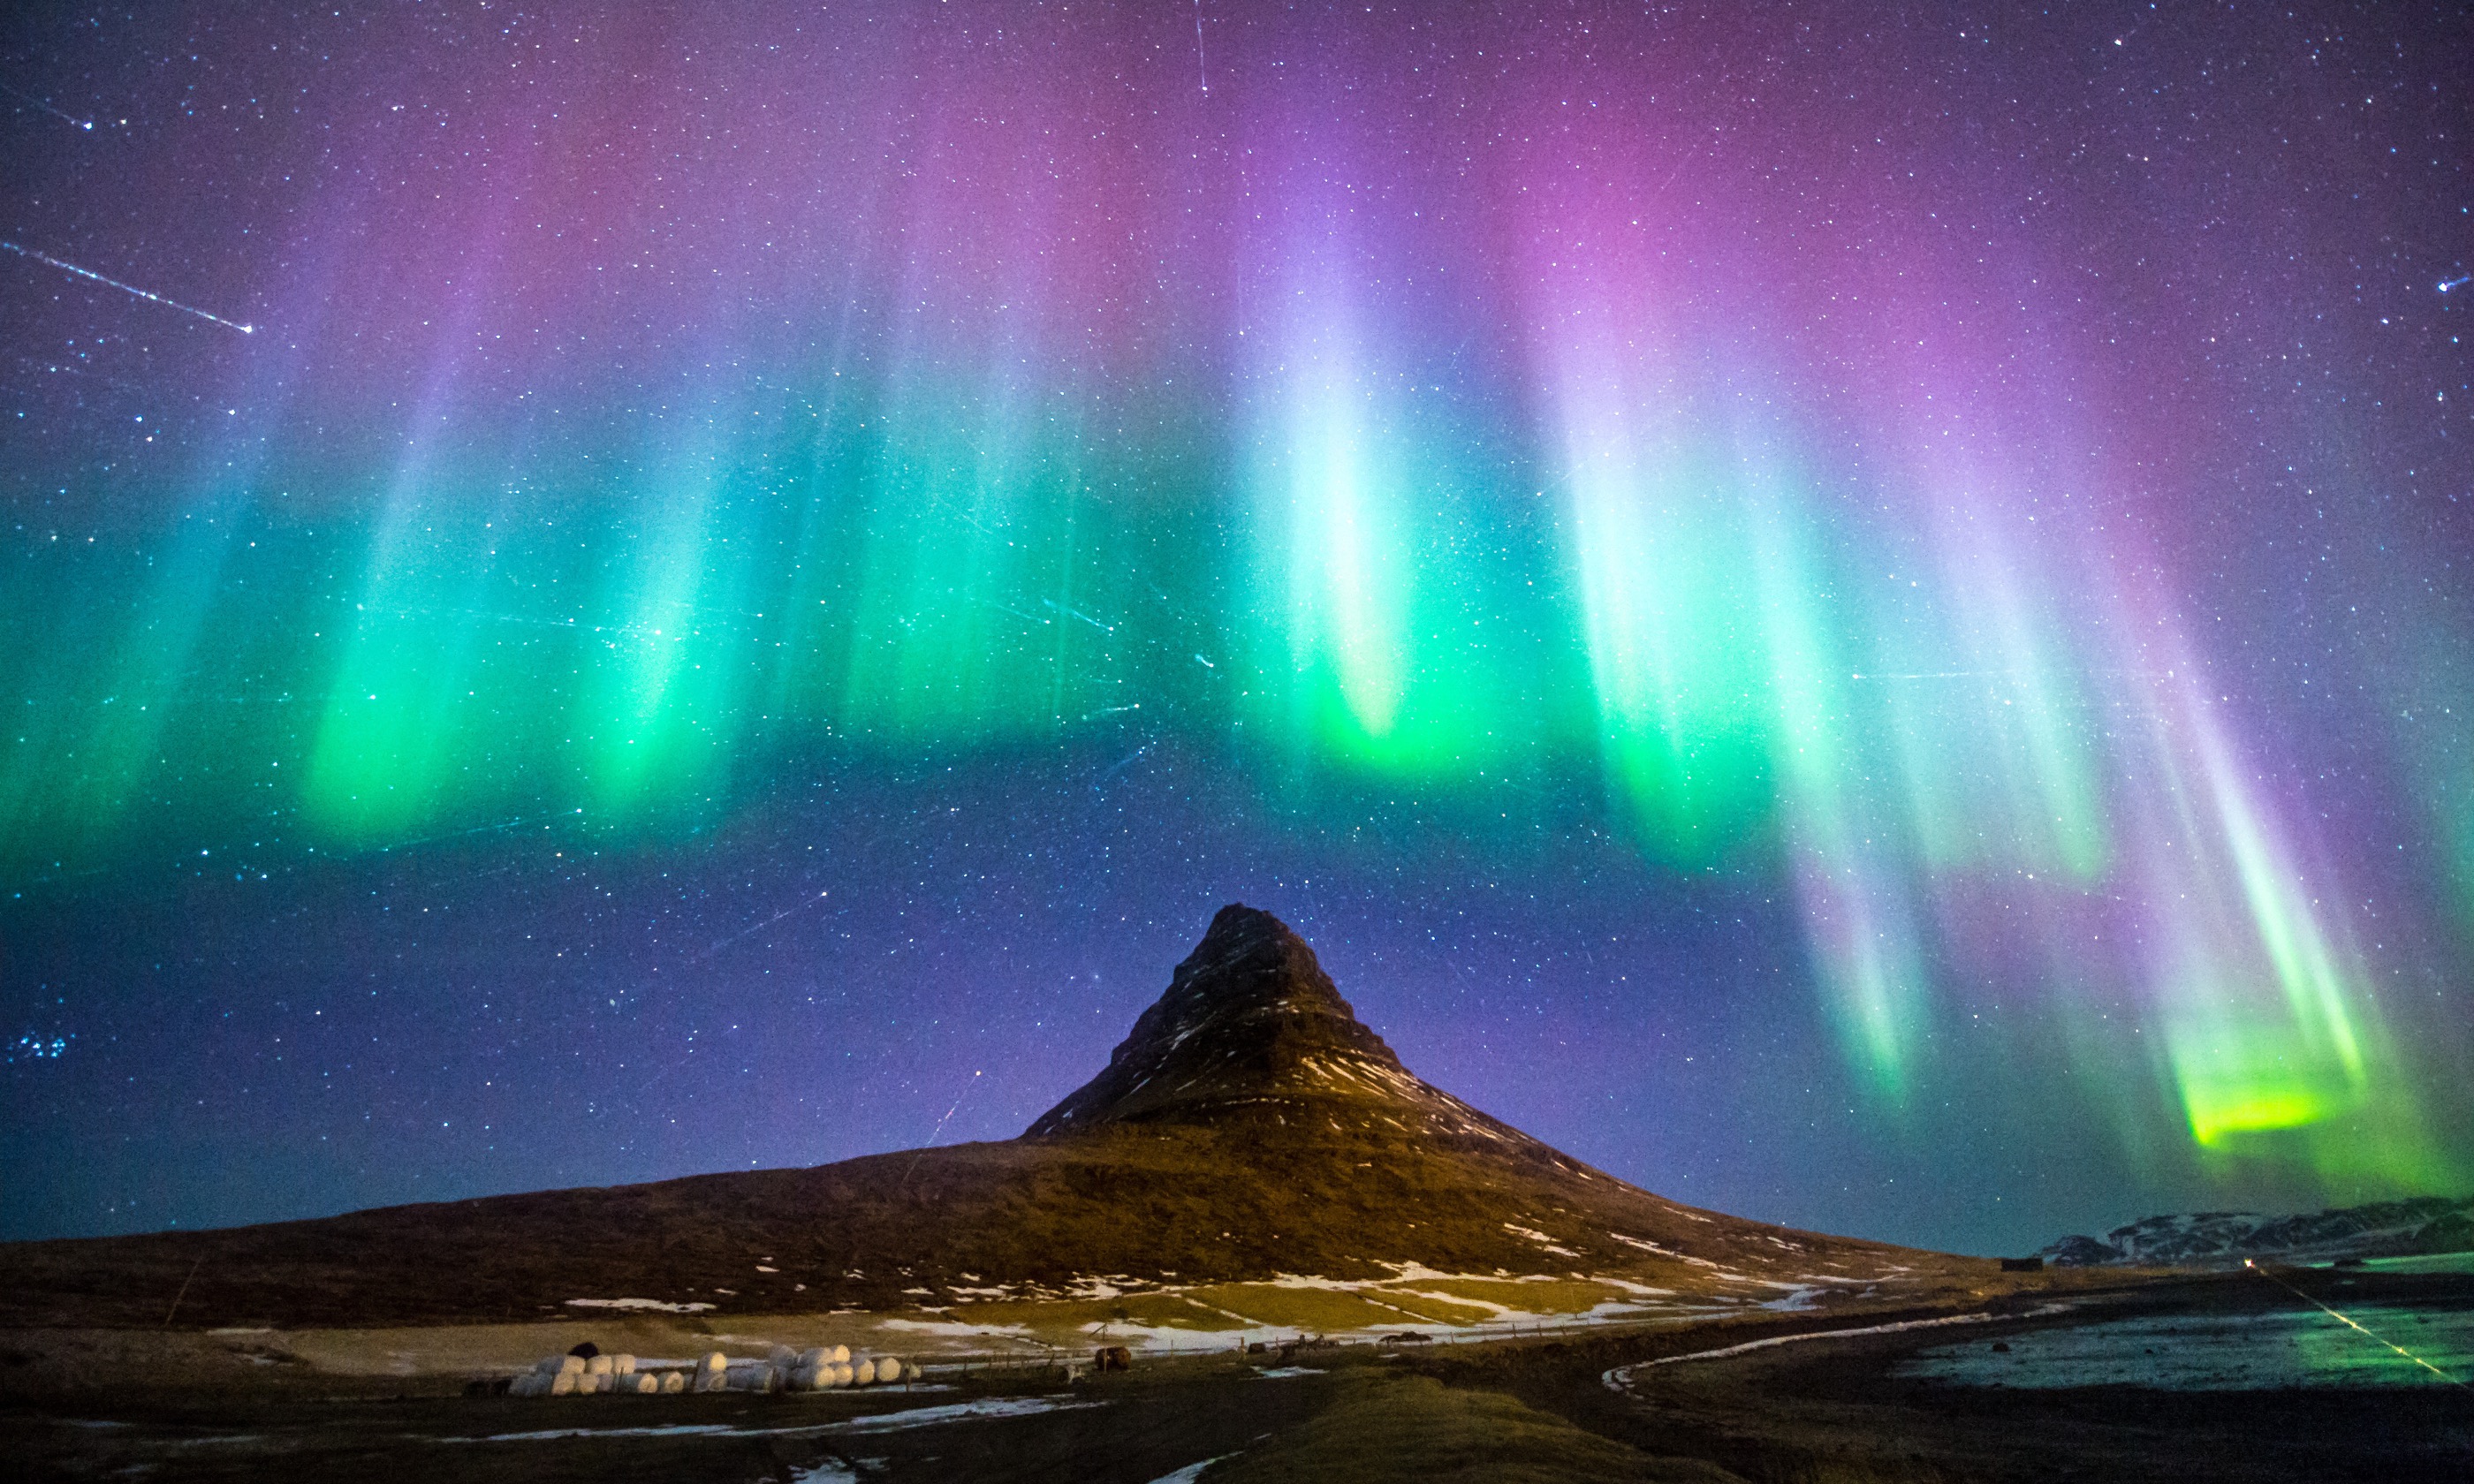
<point x="1251" y="1029"/>
<point x="1251" y="1127"/>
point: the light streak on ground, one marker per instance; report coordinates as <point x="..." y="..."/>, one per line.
<point x="1619" y="1379"/>
<point x="2356" y="1325"/>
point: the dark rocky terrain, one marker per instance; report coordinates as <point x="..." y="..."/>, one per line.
<point x="1249" y="1127"/>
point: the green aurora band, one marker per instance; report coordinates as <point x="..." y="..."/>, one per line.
<point x="1591" y="522"/>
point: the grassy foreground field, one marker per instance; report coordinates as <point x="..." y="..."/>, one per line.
<point x="1830" y="1409"/>
<point x="1154" y="1321"/>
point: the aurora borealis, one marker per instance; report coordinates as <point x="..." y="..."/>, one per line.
<point x="1857" y="617"/>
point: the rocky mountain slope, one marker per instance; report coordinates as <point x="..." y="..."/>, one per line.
<point x="2384" y="1229"/>
<point x="1249" y="1127"/>
<point x="1252" y="1032"/>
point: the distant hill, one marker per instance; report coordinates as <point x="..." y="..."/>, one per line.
<point x="1249" y="1127"/>
<point x="2383" y="1229"/>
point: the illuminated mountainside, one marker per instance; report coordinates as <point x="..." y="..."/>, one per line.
<point x="1249" y="1127"/>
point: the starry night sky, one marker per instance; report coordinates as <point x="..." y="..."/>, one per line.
<point x="1859" y="615"/>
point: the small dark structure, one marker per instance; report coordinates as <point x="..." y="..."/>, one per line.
<point x="1112" y="1357"/>
<point x="1406" y="1337"/>
<point x="2022" y="1264"/>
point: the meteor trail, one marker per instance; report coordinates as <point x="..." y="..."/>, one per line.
<point x="934" y="1131"/>
<point x="759" y="927"/>
<point x="128" y="288"/>
<point x="1201" y="69"/>
<point x="85" y="124"/>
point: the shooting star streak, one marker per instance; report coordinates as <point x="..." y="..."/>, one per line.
<point x="87" y="124"/>
<point x="934" y="1131"/>
<point x="950" y="1111"/>
<point x="1938" y="675"/>
<point x="1077" y="613"/>
<point x="2351" y="1324"/>
<point x="1201" y="69"/>
<point x="479" y="829"/>
<point x="1111" y="711"/>
<point x="757" y="928"/>
<point x="1120" y="766"/>
<point x="2455" y="283"/>
<point x="128" y="288"/>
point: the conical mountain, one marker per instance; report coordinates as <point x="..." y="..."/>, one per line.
<point x="1250" y="1128"/>
<point x="1253" y="1031"/>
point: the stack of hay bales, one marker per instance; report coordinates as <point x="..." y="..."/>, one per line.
<point x="577" y="1375"/>
<point x="751" y="1376"/>
<point x="627" y="1381"/>
<point x="824" y="1368"/>
<point x="552" y="1376"/>
<point x="821" y="1369"/>
<point x="829" y="1368"/>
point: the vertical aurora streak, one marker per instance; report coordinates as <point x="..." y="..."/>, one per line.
<point x="1334" y="509"/>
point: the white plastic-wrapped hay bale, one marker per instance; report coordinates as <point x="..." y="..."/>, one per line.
<point x="841" y="1354"/>
<point x="527" y="1384"/>
<point x="638" y="1383"/>
<point x="810" y="1369"/>
<point x="622" y="1365"/>
<point x="598" y="1365"/>
<point x="710" y="1374"/>
<point x="563" y="1385"/>
<point x="844" y="1374"/>
<point x="573" y="1365"/>
<point x="761" y="1376"/>
<point x="910" y="1370"/>
<point x="813" y="1370"/>
<point x="674" y="1381"/>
